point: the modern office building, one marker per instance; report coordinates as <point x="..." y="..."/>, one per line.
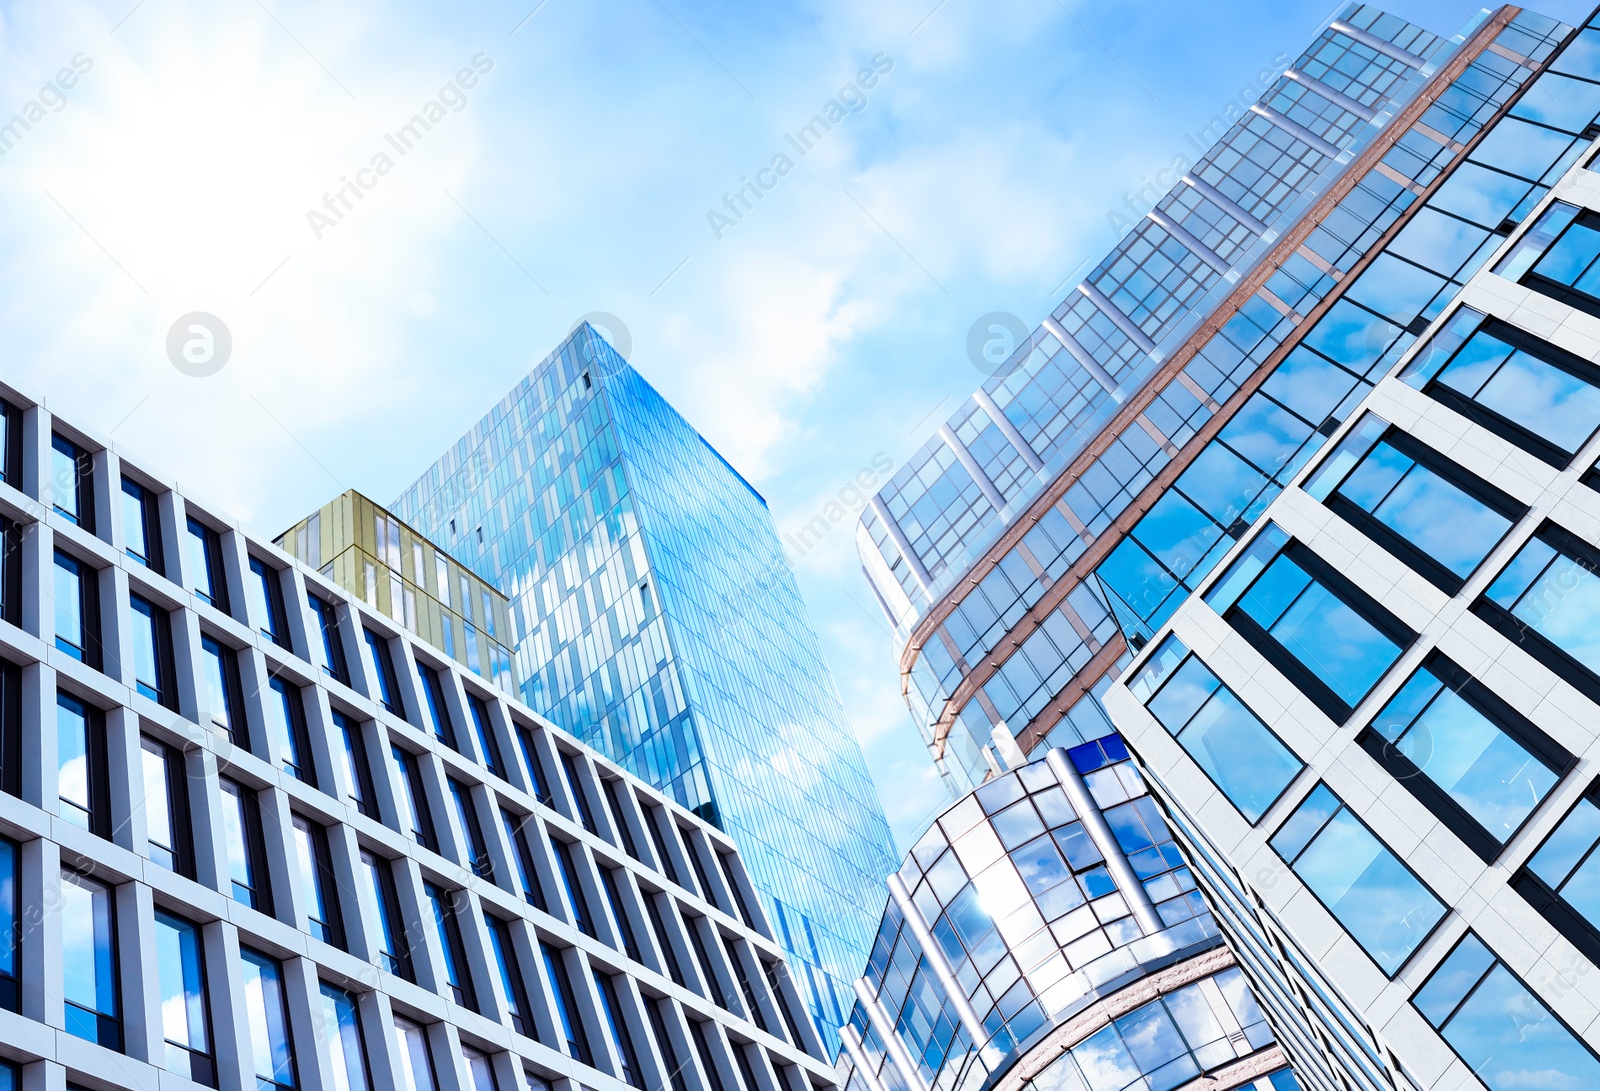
<point x="1045" y="934"/>
<point x="255" y="835"/>
<point x="1333" y="488"/>
<point x="370" y="553"/>
<point x="1072" y="502"/>
<point x="1376" y="726"/>
<point x="655" y="617"/>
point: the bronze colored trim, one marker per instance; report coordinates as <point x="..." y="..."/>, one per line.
<point x="1100" y="1013"/>
<point x="1247" y="287"/>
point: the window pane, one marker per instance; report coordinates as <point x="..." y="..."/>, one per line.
<point x="1364" y="885"/>
<point x="480" y="1072"/>
<point x="269" y="1021"/>
<point x="347" y="1055"/>
<point x="158" y="817"/>
<point x="70" y="635"/>
<point x="1484" y="770"/>
<point x="349" y="750"/>
<point x="394" y="949"/>
<point x="237" y="831"/>
<point x="1241" y="756"/>
<point x="10" y="935"/>
<point x="198" y="555"/>
<point x="1547" y="401"/>
<point x="65" y="465"/>
<point x="279" y="703"/>
<point x="1555" y="596"/>
<point x="1441" y="520"/>
<point x="89" y="960"/>
<point x="218" y="696"/>
<point x="307" y="858"/>
<point x="1507" y="1037"/>
<point x="262" y="592"/>
<point x="184" y="1020"/>
<point x="1347" y="653"/>
<point x="135" y="522"/>
<point x="146" y="653"/>
<point x="416" y="1059"/>
<point x="74" y="753"/>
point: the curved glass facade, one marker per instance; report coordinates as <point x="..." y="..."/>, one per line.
<point x="1010" y="613"/>
<point x="1050" y="911"/>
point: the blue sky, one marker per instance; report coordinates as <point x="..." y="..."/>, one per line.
<point x="574" y="169"/>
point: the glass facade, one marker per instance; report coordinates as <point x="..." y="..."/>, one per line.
<point x="655" y="618"/>
<point x="1047" y="895"/>
<point x="394" y="569"/>
<point x="1353" y="264"/>
<point x="1412" y="892"/>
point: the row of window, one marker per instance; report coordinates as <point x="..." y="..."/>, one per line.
<point x="1477" y="764"/>
<point x="188" y="1010"/>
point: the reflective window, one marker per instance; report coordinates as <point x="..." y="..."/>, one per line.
<point x="203" y="557"/>
<point x="580" y="798"/>
<point x="220" y="670"/>
<point x="615" y="794"/>
<point x="81" y="765"/>
<point x="89" y="960"/>
<point x="264" y="595"/>
<point x="1326" y="635"/>
<point x="416" y="1058"/>
<point x="393" y="947"/>
<point x="448" y="932"/>
<point x="480" y="1071"/>
<point x="1560" y="257"/>
<point x="1419" y="505"/>
<point x="267" y="1016"/>
<point x="487" y="746"/>
<point x="1548" y="599"/>
<point x="152" y="651"/>
<point x="477" y="854"/>
<point x="1365" y="886"/>
<point x="341" y="1033"/>
<point x="561" y="989"/>
<point x="619" y="914"/>
<point x="576" y="902"/>
<point x="611" y="1008"/>
<point x="77" y="606"/>
<point x="414" y="797"/>
<point x="10" y="933"/>
<point x="318" y="889"/>
<point x="522" y="855"/>
<point x="530" y="762"/>
<point x="505" y="958"/>
<point x="438" y="710"/>
<point x="71" y="478"/>
<point x="383" y="671"/>
<point x="350" y="750"/>
<point x="1529" y="392"/>
<point x="1562" y="880"/>
<point x="141" y="525"/>
<point x="1465" y="754"/>
<point x="1240" y="754"/>
<point x="1506" y="1036"/>
<point x="166" y="811"/>
<point x="285" y="721"/>
<point x="658" y="926"/>
<point x="241" y="832"/>
<point x="181" y="985"/>
<point x="329" y="650"/>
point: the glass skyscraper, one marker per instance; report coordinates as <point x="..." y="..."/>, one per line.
<point x="656" y="618"/>
<point x="1296" y="494"/>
